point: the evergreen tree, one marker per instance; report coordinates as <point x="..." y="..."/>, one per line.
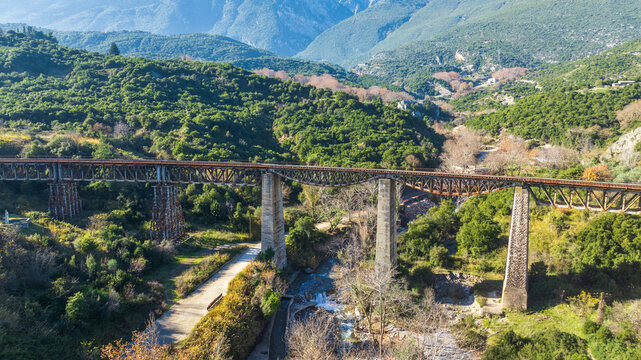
<point x="113" y="49"/>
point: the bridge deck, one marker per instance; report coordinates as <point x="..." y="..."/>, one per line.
<point x="20" y="165"/>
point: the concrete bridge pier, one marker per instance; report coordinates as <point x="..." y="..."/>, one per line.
<point x="64" y="202"/>
<point x="272" y="228"/>
<point x="167" y="221"/>
<point x="386" y="225"/>
<point x="515" y="283"/>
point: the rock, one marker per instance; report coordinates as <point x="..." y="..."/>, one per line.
<point x="309" y="271"/>
<point x="623" y="149"/>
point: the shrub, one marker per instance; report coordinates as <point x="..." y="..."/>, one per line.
<point x="269" y="303"/>
<point x="439" y="256"/>
<point x="237" y="320"/>
<point x="479" y="236"/>
<point x="431" y="230"/>
<point x="77" y="307"/>
<point x="301" y="241"/>
<point x="590" y="327"/>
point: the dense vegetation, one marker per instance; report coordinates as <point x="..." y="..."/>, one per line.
<point x="574" y="256"/>
<point x="565" y="116"/>
<point x="106" y="106"/>
<point x="56" y="278"/>
<point x="620" y="63"/>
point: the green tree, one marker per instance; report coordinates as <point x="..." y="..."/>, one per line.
<point x="113" y="49"/>
<point x="77" y="307"/>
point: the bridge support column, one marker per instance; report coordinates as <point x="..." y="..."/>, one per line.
<point x="515" y="282"/>
<point x="386" y="225"/>
<point x="272" y="228"/>
<point x="167" y="221"/>
<point x="64" y="202"/>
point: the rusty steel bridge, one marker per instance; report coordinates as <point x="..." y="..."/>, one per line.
<point x="167" y="223"/>
<point x="574" y="194"/>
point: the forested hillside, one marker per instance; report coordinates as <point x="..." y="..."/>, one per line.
<point x="201" y="47"/>
<point x="567" y="103"/>
<point x="620" y="63"/>
<point x="138" y="43"/>
<point x="66" y="102"/>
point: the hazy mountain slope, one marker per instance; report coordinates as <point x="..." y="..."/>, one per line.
<point x="436" y="17"/>
<point x="350" y="40"/>
<point x="390" y="24"/>
<point x="138" y="43"/>
<point x="282" y="26"/>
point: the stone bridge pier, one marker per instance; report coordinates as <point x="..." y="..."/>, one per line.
<point x="272" y="228"/>
<point x="515" y="283"/>
<point x="386" y="225"/>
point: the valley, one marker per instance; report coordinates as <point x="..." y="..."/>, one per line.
<point x="424" y="179"/>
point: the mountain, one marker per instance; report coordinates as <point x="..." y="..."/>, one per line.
<point x="474" y="36"/>
<point x="284" y="27"/>
<point x="390" y="24"/>
<point x="353" y="38"/>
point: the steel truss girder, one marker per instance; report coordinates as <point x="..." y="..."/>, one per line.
<point x="594" y="196"/>
<point x="628" y="202"/>
<point x="129" y="173"/>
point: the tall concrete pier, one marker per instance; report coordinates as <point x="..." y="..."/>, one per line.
<point x="386" y="225"/>
<point x="515" y="281"/>
<point x="272" y="230"/>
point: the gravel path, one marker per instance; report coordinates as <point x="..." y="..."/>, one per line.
<point x="177" y="323"/>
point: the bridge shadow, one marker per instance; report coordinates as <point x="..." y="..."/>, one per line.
<point x="622" y="283"/>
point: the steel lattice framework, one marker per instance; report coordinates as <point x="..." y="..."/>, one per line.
<point x="595" y="196"/>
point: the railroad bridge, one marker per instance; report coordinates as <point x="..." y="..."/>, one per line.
<point x="167" y="223"/>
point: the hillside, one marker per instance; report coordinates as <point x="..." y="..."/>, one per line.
<point x="620" y="63"/>
<point x="284" y="27"/>
<point x="203" y="47"/>
<point x="570" y="103"/>
<point x="105" y="106"/>
<point x="351" y="40"/>
<point x="525" y="33"/>
<point x="138" y="43"/>
<point x="391" y="24"/>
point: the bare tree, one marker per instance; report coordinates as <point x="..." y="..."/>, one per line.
<point x="315" y="337"/>
<point x="460" y="151"/>
<point x="511" y="155"/>
<point x="122" y="129"/>
<point x="557" y="157"/>
<point x="144" y="345"/>
<point x="629" y="114"/>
